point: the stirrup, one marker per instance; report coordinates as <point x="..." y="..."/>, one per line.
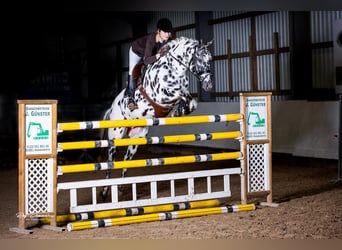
<point x="131" y="104"/>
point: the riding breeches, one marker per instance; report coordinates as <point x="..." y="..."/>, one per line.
<point x="134" y="59"/>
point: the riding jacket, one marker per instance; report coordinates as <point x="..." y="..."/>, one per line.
<point x="146" y="47"/>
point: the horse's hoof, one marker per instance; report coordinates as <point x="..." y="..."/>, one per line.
<point x="121" y="188"/>
<point x="103" y="194"/>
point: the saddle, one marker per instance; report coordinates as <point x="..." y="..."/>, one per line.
<point x="138" y="73"/>
<point x="137" y="76"/>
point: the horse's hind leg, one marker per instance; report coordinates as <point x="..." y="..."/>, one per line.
<point x="112" y="133"/>
<point x="132" y="149"/>
<point x="111" y="156"/>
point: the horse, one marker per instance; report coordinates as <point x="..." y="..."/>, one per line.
<point x="162" y="91"/>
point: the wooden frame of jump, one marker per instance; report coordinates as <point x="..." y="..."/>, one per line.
<point x="248" y="105"/>
<point x="49" y="151"/>
<point x="23" y="157"/>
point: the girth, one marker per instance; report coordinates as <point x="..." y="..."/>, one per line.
<point x="159" y="110"/>
<point x="137" y="75"/>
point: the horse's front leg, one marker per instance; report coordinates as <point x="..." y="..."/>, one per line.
<point x="191" y="105"/>
<point x="185" y="106"/>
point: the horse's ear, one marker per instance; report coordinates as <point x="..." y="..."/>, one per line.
<point x="209" y="43"/>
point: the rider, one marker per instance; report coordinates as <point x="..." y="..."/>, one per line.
<point x="149" y="49"/>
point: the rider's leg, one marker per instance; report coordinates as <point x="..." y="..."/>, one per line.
<point x="130" y="89"/>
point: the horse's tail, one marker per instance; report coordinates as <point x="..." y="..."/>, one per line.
<point x="107" y="113"/>
<point x="104" y="133"/>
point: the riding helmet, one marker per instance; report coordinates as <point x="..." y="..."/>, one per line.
<point x="165" y="25"/>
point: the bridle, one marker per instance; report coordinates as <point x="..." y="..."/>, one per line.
<point x="187" y="66"/>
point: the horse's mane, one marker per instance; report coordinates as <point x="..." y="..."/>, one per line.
<point x="181" y="40"/>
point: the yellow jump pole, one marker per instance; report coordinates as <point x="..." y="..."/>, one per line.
<point x="81" y="225"/>
<point x="87" y="167"/>
<point x="67" y="126"/>
<point x="148" y="140"/>
<point x="131" y="211"/>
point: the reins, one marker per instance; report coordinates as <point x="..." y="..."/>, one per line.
<point x="186" y="66"/>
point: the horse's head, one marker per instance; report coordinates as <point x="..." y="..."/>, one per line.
<point x="201" y="65"/>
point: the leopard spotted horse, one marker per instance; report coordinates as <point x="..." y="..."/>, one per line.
<point x="163" y="91"/>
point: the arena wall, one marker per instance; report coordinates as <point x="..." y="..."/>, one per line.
<point x="300" y="128"/>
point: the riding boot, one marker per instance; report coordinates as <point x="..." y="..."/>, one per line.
<point x="129" y="92"/>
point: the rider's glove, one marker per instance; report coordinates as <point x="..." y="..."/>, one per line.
<point x="163" y="50"/>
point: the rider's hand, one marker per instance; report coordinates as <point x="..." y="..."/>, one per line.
<point x="163" y="50"/>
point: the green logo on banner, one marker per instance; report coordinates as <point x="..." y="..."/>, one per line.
<point x="255" y="117"/>
<point x="36" y="130"/>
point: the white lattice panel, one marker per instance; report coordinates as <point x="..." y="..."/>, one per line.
<point x="38" y="186"/>
<point x="258" y="167"/>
